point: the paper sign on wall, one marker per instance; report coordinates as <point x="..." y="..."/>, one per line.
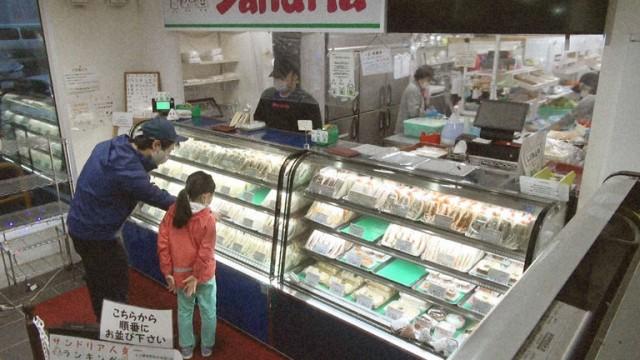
<point x="135" y="325"/>
<point x="342" y="74"/>
<point x="81" y="79"/>
<point x="401" y="65"/>
<point x="376" y="61"/>
<point x="62" y="347"/>
<point x="122" y="119"/>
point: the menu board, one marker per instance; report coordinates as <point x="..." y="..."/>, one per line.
<point x="140" y="88"/>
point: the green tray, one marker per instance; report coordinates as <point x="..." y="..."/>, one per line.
<point x="259" y="194"/>
<point x="367" y="228"/>
<point x="402" y="272"/>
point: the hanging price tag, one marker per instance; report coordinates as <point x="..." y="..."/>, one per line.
<point x="404" y="245"/>
<point x="437" y="291"/>
<point x="443" y="221"/>
<point x="364" y="301"/>
<point x="353" y="258"/>
<point x="336" y="288"/>
<point x="259" y="256"/>
<point x="247" y="223"/>
<point x="237" y="247"/>
<point x="356" y="230"/>
<point x="321" y="219"/>
<point x="492" y="236"/>
<point x="312" y="279"/>
<point x="401" y="211"/>
<point x="225" y="190"/>
<point x="499" y="276"/>
<point x="393" y="313"/>
<point x="248" y="196"/>
<point x="321" y="248"/>
<point x="481" y="307"/>
<point x="446" y="259"/>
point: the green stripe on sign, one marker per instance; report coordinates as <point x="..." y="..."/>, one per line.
<point x="281" y="26"/>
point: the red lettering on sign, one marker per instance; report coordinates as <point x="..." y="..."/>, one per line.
<point x="346" y="5"/>
<point x="291" y="6"/>
<point x="248" y="6"/>
<point x="225" y="5"/>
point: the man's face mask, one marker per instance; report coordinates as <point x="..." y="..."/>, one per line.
<point x="280" y="85"/>
<point x="160" y="157"/>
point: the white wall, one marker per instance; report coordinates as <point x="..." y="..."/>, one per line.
<point x="111" y="40"/>
<point x="615" y="135"/>
<point x="255" y="55"/>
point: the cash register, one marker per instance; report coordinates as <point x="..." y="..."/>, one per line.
<point x="497" y="146"/>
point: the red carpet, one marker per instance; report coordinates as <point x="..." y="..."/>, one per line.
<point x="75" y="307"/>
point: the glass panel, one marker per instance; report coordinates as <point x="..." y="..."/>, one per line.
<point x="34" y="187"/>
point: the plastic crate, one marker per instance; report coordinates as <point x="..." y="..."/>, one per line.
<point x="415" y="127"/>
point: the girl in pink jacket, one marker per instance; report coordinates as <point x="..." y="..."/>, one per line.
<point x="186" y="244"/>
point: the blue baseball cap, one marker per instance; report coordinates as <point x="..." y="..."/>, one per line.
<point x="160" y="128"/>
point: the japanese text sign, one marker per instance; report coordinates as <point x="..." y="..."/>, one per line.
<point x="135" y="325"/>
<point x="277" y="15"/>
<point x="62" y="347"/>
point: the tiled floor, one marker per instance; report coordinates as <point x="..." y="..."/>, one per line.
<point x="14" y="342"/>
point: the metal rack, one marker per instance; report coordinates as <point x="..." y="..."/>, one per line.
<point x="34" y="240"/>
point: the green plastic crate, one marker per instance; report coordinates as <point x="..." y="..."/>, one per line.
<point x="415" y="127"/>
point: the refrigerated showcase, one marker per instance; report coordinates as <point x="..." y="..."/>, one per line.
<point x="578" y="300"/>
<point x="415" y="259"/>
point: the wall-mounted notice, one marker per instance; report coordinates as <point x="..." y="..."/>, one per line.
<point x="62" y="347"/>
<point x="140" y="88"/>
<point x="81" y="80"/>
<point x="342" y="74"/>
<point x="277" y="15"/>
<point x="401" y="65"/>
<point x="376" y="61"/>
<point x="135" y="325"/>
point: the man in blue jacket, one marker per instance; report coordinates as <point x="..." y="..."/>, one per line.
<point x="113" y="180"/>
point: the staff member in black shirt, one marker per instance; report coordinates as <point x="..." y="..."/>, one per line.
<point x="282" y="105"/>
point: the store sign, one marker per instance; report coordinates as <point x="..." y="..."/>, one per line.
<point x="135" y="325"/>
<point x="72" y="347"/>
<point x="277" y="15"/>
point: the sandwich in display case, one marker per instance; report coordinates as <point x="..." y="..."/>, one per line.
<point x="416" y="259"/>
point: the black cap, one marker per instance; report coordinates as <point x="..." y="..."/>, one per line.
<point x="282" y="68"/>
<point x="160" y="128"/>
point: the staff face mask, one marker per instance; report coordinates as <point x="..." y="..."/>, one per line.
<point x="280" y="85"/>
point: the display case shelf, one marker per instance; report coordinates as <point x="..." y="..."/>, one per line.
<point x="492" y="285"/>
<point x="220" y="171"/>
<point x="32" y="216"/>
<point x="24" y="183"/>
<point x="419" y="226"/>
<point x="399" y="287"/>
<point x="245" y="229"/>
<point x="231" y="199"/>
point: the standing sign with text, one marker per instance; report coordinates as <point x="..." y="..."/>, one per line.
<point x="135" y="325"/>
<point x="277" y="15"/>
<point x="64" y="347"/>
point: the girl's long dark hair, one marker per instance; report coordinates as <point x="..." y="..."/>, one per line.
<point x="198" y="183"/>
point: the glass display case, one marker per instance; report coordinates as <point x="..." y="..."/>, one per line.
<point x="400" y="249"/>
<point x="31" y="121"/>
<point x="248" y="199"/>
